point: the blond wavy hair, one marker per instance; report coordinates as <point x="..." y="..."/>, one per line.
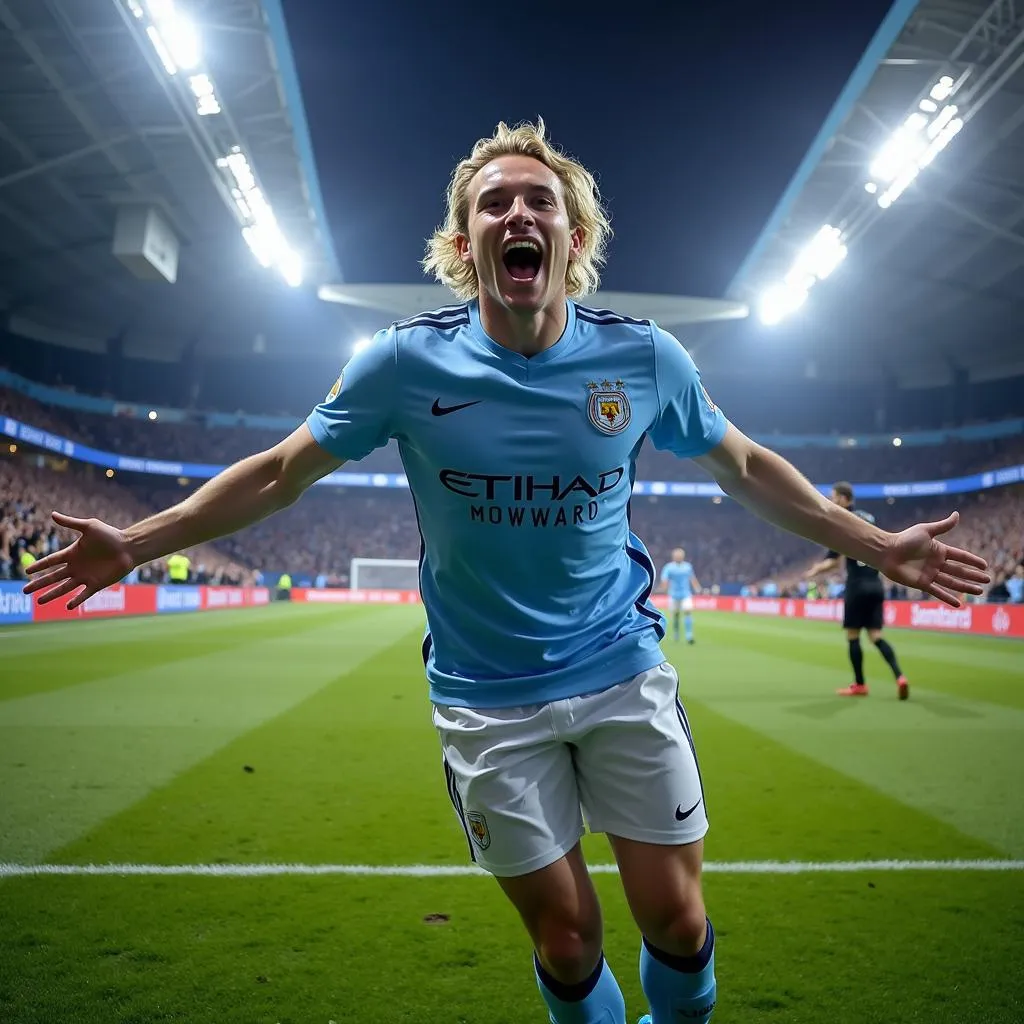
<point x="582" y="203"/>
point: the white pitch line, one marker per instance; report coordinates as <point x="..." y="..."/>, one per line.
<point x="754" y="867"/>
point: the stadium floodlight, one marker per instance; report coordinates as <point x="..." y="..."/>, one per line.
<point x="942" y="89"/>
<point x="161" y="51"/>
<point x="289" y="264"/>
<point x="815" y="262"/>
<point x="780" y="301"/>
<point x="205" y="94"/>
<point x="172" y="35"/>
<point x="897" y="441"/>
<point x="176" y="42"/>
<point x="261" y="232"/>
<point x="358" y="346"/>
<point x="152" y="414"/>
<point x="822" y="254"/>
<point x="915" y="144"/>
<point x="260" y="244"/>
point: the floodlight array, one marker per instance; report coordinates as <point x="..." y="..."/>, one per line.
<point x="178" y="46"/>
<point x="926" y="132"/>
<point x="915" y="144"/>
<point x="815" y="262"/>
<point x="261" y="231"/>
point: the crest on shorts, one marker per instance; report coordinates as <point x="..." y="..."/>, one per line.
<point x="335" y="388"/>
<point x="608" y="407"/>
<point x="479" y="830"/>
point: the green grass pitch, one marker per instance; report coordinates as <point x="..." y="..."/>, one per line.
<point x="301" y="735"/>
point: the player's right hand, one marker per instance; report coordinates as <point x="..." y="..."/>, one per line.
<point x="98" y="557"/>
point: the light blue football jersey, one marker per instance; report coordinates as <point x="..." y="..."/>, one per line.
<point x="521" y="469"/>
<point x="679" y="576"/>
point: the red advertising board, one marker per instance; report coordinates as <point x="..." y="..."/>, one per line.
<point x="141" y="599"/>
<point x="233" y="597"/>
<point x="312" y="596"/>
<point x="989" y="619"/>
<point x="147" y="599"/>
<point x="981" y="619"/>
<point x="122" y="599"/>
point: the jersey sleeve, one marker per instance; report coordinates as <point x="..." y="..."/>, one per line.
<point x="688" y="423"/>
<point x="357" y="415"/>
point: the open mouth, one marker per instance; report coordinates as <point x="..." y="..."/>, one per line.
<point x="522" y="260"/>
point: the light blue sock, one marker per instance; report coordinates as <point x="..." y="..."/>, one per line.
<point x="598" y="1000"/>
<point x="688" y="625"/>
<point x="679" y="988"/>
<point x="675" y="625"/>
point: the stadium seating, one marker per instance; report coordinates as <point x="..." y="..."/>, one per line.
<point x="321" y="533"/>
<point x="195" y="442"/>
<point x="30" y="492"/>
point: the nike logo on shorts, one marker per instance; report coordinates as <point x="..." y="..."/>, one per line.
<point x="682" y="815"/>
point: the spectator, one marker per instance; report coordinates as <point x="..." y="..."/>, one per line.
<point x="1015" y="585"/>
<point x="317" y="538"/>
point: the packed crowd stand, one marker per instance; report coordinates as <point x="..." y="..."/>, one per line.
<point x="318" y="536"/>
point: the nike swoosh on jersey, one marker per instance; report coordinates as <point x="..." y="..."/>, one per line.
<point x="443" y="410"/>
<point x="682" y="815"/>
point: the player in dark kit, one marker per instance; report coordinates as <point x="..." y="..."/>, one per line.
<point x="863" y="606"/>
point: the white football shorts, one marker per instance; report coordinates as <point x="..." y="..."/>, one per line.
<point x="522" y="780"/>
<point x="680" y="604"/>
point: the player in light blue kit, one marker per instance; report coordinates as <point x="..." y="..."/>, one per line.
<point x="519" y="414"/>
<point x="680" y="582"/>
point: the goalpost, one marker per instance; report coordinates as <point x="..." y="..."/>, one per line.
<point x="384" y="574"/>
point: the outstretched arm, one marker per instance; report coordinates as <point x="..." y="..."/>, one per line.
<point x="242" y="494"/>
<point x="776" y="491"/>
<point x="825" y="565"/>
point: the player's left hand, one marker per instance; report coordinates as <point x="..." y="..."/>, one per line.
<point x="919" y="560"/>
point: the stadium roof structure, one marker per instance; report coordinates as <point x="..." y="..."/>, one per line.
<point x="898" y="248"/>
<point x="143" y="144"/>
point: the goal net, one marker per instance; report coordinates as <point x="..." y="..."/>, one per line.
<point x="384" y="574"/>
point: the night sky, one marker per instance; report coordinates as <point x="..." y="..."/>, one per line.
<point x="693" y="115"/>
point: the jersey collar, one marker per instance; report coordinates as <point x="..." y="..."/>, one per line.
<point x="556" y="351"/>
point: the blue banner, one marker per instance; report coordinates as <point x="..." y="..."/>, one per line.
<point x="285" y="424"/>
<point x="179" y="597"/>
<point x="14" y="605"/>
<point x="343" y="478"/>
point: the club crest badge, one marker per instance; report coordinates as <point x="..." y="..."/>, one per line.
<point x="608" y="407"/>
<point x="335" y="388"/>
<point x="478" y="829"/>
